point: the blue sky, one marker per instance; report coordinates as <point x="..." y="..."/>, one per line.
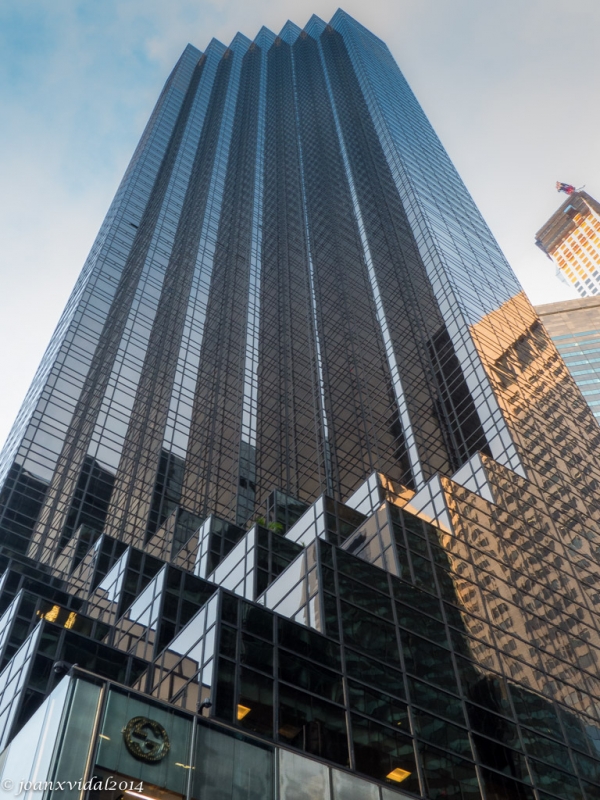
<point x="511" y="87"/>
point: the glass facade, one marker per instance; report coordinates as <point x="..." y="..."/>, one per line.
<point x="303" y="501"/>
<point x="574" y="327"/>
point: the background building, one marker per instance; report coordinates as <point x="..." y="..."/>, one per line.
<point x="574" y="327"/>
<point x="571" y="238"/>
<point x="301" y="456"/>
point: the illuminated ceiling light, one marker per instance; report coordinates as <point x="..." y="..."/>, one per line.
<point x="242" y="711"/>
<point x="71" y="620"/>
<point x="102" y="736"/>
<point x="141" y="796"/>
<point x="185" y="766"/>
<point x="398" y="775"/>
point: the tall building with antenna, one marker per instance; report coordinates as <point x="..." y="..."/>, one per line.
<point x="302" y="502"/>
<point x="571" y="238"/>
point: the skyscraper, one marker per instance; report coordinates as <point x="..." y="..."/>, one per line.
<point x="571" y="238"/>
<point x="574" y="327"/>
<point x="302" y="502"/>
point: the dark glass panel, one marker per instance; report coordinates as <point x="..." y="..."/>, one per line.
<point x="428" y="661"/>
<point x="365" y="597"/>
<point x="91" y="498"/>
<point x="361" y="571"/>
<point x="255" y="704"/>
<point x="436" y="701"/>
<point x="225" y="690"/>
<point x="415" y="597"/>
<point x="21" y="501"/>
<point x="308" y="643"/>
<point x="227" y="644"/>
<point x="366" y="632"/>
<point x="564" y="785"/>
<point x="443" y="734"/>
<point x="535" y="711"/>
<point x="256" y="653"/>
<point x="229" y="608"/>
<point x="373" y="672"/>
<point x="501" y="758"/>
<point x="546" y="749"/>
<point x="493" y="725"/>
<point x="417" y="622"/>
<point x="381" y="707"/>
<point x="230" y="766"/>
<point x="501" y="787"/>
<point x="588" y="768"/>
<point x="384" y="754"/>
<point x="313" y="725"/>
<point x="448" y="776"/>
<point x="311" y="677"/>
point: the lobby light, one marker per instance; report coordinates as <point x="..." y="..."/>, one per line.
<point x="398" y="775"/>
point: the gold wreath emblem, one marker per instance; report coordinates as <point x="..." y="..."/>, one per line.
<point x="146" y="739"/>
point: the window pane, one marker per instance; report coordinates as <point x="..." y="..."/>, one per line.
<point x="301" y="778"/>
<point x="347" y="787"/>
<point x="229" y="768"/>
